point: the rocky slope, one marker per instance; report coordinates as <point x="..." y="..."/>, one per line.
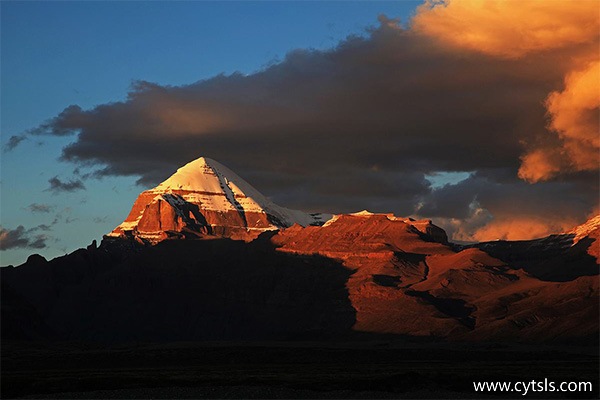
<point x="406" y="282"/>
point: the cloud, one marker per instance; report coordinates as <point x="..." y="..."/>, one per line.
<point x="42" y="227"/>
<point x="40" y="208"/>
<point x="13" y="142"/>
<point x="508" y="29"/>
<point x="64" y="216"/>
<point x="361" y="125"/>
<point x="492" y="205"/>
<point x="575" y="116"/>
<point x="384" y="101"/>
<point x="56" y="185"/>
<point x="70" y="220"/>
<point x="524" y="228"/>
<point x="21" y="238"/>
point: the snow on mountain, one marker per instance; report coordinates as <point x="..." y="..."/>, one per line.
<point x="424" y="226"/>
<point x="585" y="229"/>
<point x="206" y="197"/>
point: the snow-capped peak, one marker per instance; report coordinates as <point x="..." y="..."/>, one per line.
<point x="218" y="188"/>
<point x="206" y="175"/>
<point x="223" y="199"/>
<point x="586" y="228"/>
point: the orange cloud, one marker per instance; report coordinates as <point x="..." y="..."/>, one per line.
<point x="540" y="164"/>
<point x="483" y="227"/>
<point x="508" y="29"/>
<point x="511" y="29"/>
<point x="522" y="229"/>
<point x="575" y="116"/>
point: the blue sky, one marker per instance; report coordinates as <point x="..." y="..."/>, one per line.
<point x="54" y="54"/>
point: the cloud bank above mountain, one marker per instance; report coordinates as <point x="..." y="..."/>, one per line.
<point x="507" y="30"/>
<point x="505" y="89"/>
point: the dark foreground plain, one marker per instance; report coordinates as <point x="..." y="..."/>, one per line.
<point x="361" y="368"/>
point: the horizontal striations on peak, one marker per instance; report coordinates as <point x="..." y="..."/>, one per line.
<point x="206" y="198"/>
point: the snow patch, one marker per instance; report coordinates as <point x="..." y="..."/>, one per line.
<point x="363" y="213"/>
<point x="585" y="229"/>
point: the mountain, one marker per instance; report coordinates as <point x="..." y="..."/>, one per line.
<point x="204" y="256"/>
<point x="206" y="198"/>
<point x="405" y="282"/>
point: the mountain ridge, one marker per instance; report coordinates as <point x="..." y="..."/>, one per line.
<point x="205" y="198"/>
<point x="263" y="275"/>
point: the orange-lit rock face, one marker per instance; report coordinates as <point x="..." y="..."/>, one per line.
<point x="406" y="282"/>
<point x="388" y="257"/>
<point x="400" y="276"/>
<point x="155" y="217"/>
<point x="594" y="249"/>
<point x="356" y="234"/>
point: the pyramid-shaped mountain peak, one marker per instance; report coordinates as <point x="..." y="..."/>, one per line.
<point x="205" y="197"/>
<point x="207" y="175"/>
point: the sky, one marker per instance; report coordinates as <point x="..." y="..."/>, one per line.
<point x="482" y="116"/>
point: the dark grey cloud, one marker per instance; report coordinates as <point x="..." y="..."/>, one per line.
<point x="63" y="216"/>
<point x="21" y="238"/>
<point x="495" y="204"/>
<point x="392" y="99"/>
<point x="40" y="208"/>
<point x="56" y="185"/>
<point x="501" y="196"/>
<point x="42" y="227"/>
<point x="13" y="142"/>
<point x="358" y="126"/>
